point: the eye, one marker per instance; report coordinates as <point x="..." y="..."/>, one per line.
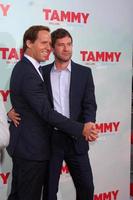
<point x="61" y="45"/>
<point x="69" y="44"/>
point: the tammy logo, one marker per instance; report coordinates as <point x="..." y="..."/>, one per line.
<point x="4" y="9"/>
<point x="104" y="56"/>
<point x="110" y="127"/>
<point x="5" y="94"/>
<point x="111" y="195"/>
<point x="4" y="177"/>
<point x="64" y="169"/>
<point x="10" y="55"/>
<point x="65" y="16"/>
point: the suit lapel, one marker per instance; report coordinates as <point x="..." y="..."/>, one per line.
<point x="73" y="86"/>
<point x="48" y="82"/>
<point x="32" y="66"/>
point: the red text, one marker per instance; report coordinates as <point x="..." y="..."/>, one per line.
<point x="11" y="53"/>
<point x="108" y="127"/>
<point x="100" y="56"/>
<point x="4" y="177"/>
<point x="5" y="94"/>
<point x="64" y="169"/>
<point x="113" y="195"/>
<point x="55" y="15"/>
<point x="4" y="9"/>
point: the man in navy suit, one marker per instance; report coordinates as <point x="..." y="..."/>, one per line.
<point x="71" y="90"/>
<point x="29" y="144"/>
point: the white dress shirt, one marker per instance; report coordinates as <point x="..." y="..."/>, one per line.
<point x="60" y="82"/>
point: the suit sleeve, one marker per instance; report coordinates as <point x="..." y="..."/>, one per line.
<point x="35" y="93"/>
<point x="89" y="100"/>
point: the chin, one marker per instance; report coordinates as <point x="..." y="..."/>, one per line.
<point x="42" y="59"/>
<point x="66" y="60"/>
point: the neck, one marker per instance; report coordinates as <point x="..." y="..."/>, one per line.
<point x="61" y="65"/>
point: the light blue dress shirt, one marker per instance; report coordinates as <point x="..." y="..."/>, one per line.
<point x="60" y="82"/>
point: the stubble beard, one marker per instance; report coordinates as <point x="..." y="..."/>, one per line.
<point x="62" y="59"/>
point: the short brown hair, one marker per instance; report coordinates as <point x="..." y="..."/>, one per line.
<point x="58" y="34"/>
<point x="31" y="34"/>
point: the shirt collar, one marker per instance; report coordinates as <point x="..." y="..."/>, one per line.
<point x="68" y="67"/>
<point x="33" y="61"/>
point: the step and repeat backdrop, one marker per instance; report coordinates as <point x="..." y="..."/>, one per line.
<point x="102" y="34"/>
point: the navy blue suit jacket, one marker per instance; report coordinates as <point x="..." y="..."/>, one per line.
<point x="30" y="140"/>
<point x="81" y="97"/>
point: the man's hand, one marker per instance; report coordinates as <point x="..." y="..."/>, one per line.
<point x="13" y="116"/>
<point x="90" y="132"/>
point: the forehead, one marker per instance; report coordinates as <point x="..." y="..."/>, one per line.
<point x="64" y="40"/>
<point x="43" y="34"/>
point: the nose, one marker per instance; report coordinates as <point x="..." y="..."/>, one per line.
<point x="66" y="48"/>
<point x="47" y="46"/>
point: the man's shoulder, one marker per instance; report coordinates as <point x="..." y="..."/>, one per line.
<point x="23" y="64"/>
<point x="17" y="67"/>
<point x="81" y="68"/>
<point x="22" y="68"/>
<point x="47" y="67"/>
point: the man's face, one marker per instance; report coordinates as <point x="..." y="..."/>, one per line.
<point x="63" y="49"/>
<point x="41" y="47"/>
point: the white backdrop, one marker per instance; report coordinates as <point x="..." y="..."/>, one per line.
<point x="102" y="33"/>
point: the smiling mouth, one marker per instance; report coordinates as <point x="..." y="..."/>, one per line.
<point x="45" y="53"/>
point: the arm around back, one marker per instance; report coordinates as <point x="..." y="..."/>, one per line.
<point x="26" y="84"/>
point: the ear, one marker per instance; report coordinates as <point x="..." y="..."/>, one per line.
<point x="29" y="44"/>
